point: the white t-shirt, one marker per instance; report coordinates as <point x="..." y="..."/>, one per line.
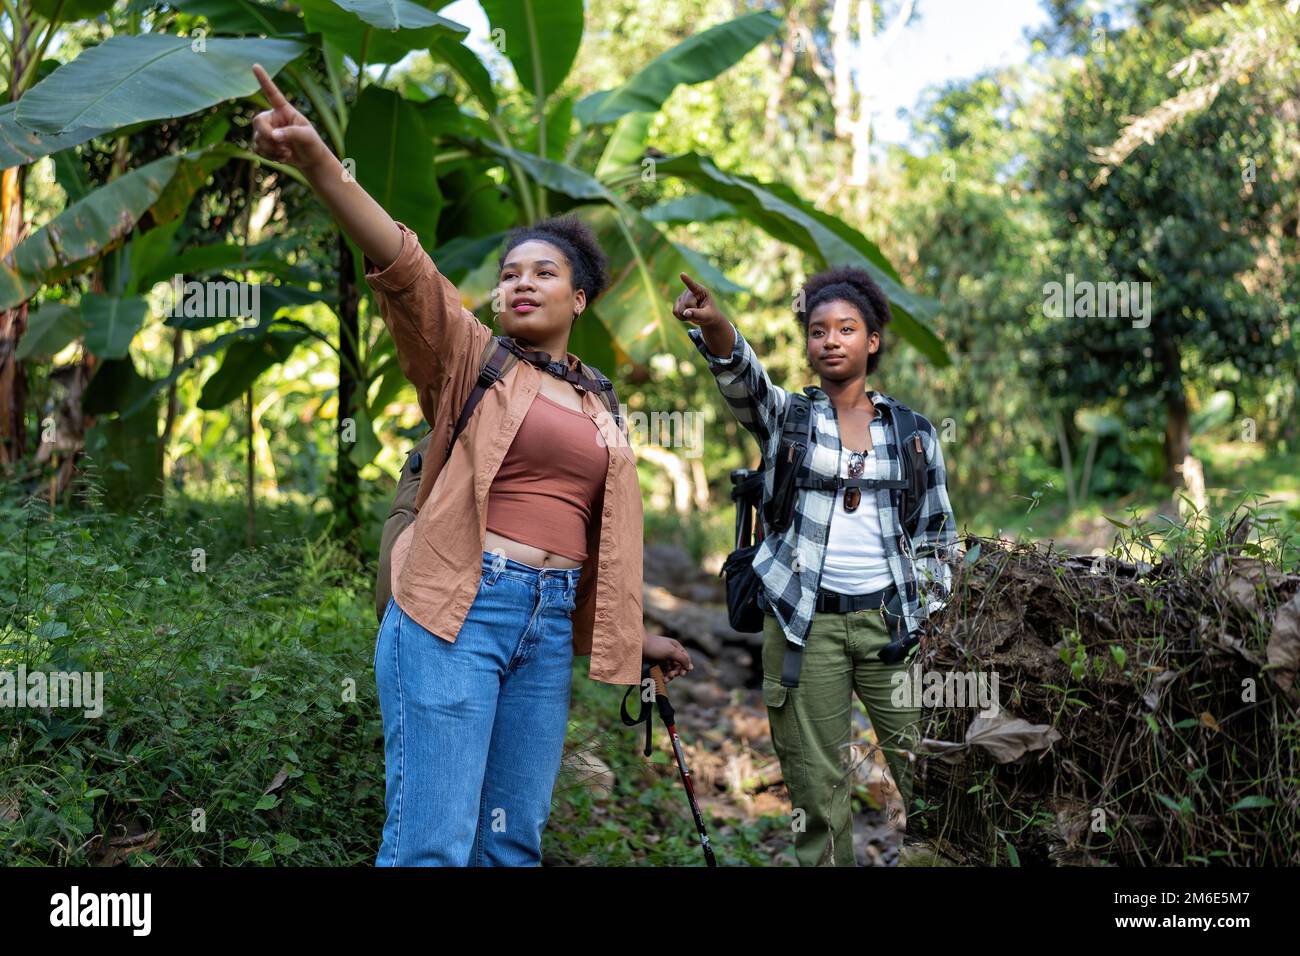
<point x="855" y="550"/>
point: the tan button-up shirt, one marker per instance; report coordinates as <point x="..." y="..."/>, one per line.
<point x="437" y="562"/>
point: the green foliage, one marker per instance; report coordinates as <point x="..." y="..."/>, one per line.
<point x="225" y="690"/>
<point x="1188" y="214"/>
<point x="244" y="690"/>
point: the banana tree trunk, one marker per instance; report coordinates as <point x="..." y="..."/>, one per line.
<point x="13" y="323"/>
<point x="347" y="497"/>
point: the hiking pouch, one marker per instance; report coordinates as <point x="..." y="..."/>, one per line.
<point x="744" y="589"/>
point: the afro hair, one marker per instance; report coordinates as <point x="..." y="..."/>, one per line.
<point x="574" y="238"/>
<point x="854" y="286"/>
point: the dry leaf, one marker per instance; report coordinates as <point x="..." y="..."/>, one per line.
<point x="1152" y="697"/>
<point x="945" y="750"/>
<point x="1284" y="644"/>
<point x="1009" y="738"/>
<point x="278" y="780"/>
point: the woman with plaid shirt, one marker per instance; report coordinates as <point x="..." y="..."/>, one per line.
<point x="844" y="576"/>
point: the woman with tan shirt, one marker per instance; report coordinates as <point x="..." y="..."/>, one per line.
<point x="526" y="548"/>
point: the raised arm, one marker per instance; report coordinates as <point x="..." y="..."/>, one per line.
<point x="753" y="399"/>
<point x="421" y="307"/>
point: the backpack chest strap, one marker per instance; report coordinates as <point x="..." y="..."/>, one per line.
<point x="839" y="481"/>
<point x="543" y="361"/>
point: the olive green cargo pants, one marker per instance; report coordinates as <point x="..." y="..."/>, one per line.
<point x="811" y="725"/>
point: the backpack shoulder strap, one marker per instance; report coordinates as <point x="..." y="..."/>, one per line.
<point x="494" y="363"/>
<point x="797" y="421"/>
<point x="594" y="380"/>
<point x="911" y="454"/>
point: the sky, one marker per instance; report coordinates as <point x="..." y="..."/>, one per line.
<point x="947" y="40"/>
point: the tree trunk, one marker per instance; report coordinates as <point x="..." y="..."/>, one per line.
<point x="250" y="535"/>
<point x="13" y="323"/>
<point x="1178" y="436"/>
<point x="1178" y="432"/>
<point x="173" y="406"/>
<point x="842" y="54"/>
<point x="347" y="497"/>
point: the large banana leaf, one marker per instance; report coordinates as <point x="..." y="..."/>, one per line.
<point x="626" y="147"/>
<point x="643" y="265"/>
<point x="779" y="212"/>
<point x="386" y="30"/>
<point x="270" y="301"/>
<point x="101" y="221"/>
<point x="149" y="76"/>
<point x="243" y="17"/>
<point x="699" y="207"/>
<point x="139" y="398"/>
<point x="393" y="152"/>
<point x="265" y="256"/>
<point x="20" y="145"/>
<point x="70" y="173"/>
<point x="441" y="115"/>
<point x="148" y="252"/>
<point x="696" y="59"/>
<point x="245" y="360"/>
<point x="111" y="322"/>
<point x="556" y="177"/>
<point x="69" y="10"/>
<point x="463" y="255"/>
<point x="541" y="39"/>
<point x="559" y="129"/>
<point x="468" y="67"/>
<point x="477" y="207"/>
<point x="49" y="330"/>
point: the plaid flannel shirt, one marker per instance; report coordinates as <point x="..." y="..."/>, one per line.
<point x="790" y="564"/>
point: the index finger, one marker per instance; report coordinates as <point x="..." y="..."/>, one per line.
<point x="273" y="94"/>
<point x="691" y="284"/>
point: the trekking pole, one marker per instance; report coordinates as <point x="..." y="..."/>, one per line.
<point x="656" y="674"/>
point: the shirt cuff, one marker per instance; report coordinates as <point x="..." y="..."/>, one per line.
<point x="403" y="270"/>
<point x="737" y="349"/>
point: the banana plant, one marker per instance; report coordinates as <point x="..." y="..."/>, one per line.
<point x="635" y="320"/>
<point x="432" y="160"/>
<point x="114" y="89"/>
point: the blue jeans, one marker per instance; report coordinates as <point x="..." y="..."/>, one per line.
<point x="474" y="730"/>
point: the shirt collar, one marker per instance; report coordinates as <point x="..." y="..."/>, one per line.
<point x="879" y="399"/>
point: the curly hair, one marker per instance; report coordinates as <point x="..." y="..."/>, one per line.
<point x="574" y="238"/>
<point x="854" y="286"/>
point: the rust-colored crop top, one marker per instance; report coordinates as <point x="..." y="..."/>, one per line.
<point x="546" y="488"/>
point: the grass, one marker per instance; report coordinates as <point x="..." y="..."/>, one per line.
<point x="240" y="721"/>
<point x="1234" y="472"/>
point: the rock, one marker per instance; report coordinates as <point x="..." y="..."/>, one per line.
<point x="667" y="565"/>
<point x="590" y="771"/>
<point x="706" y="627"/>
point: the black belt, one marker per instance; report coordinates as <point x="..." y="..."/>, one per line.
<point x="835" y="603"/>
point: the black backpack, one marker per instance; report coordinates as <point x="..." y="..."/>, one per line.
<point x="499" y="356"/>
<point x="744" y="590"/>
